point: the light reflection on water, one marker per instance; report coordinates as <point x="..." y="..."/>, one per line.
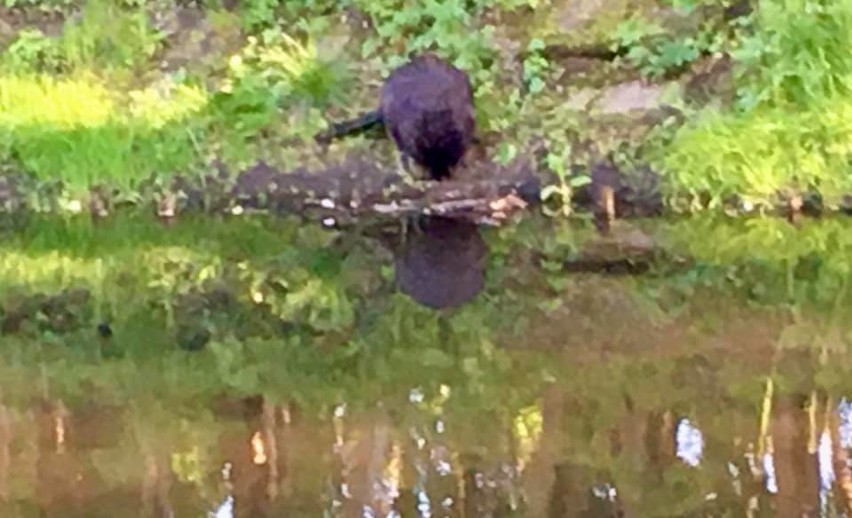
<point x="478" y="434"/>
<point x="688" y="444"/>
<point x="769" y="471"/>
<point x="225" y="509"/>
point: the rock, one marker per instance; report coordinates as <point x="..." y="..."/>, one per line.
<point x="579" y="15"/>
<point x="13" y="20"/>
<point x="627" y="97"/>
<point x="7" y="33"/>
<point x="623" y="249"/>
<point x="574" y="15"/>
<point x="625" y="112"/>
<point x="581" y="99"/>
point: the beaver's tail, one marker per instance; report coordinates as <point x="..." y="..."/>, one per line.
<point x="359" y="124"/>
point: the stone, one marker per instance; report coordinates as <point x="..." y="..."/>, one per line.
<point x="581" y="99"/>
<point x="627" y="97"/>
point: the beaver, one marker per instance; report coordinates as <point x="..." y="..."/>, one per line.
<point x="426" y="107"/>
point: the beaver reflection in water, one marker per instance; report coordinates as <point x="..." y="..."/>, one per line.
<point x="442" y="263"/>
<point x="427" y="109"/>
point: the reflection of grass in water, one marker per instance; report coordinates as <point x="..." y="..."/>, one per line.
<point x="381" y="354"/>
<point x="133" y="258"/>
<point x="133" y="266"/>
<point x="770" y="261"/>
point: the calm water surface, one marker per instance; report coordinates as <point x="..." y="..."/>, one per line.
<point x="250" y="367"/>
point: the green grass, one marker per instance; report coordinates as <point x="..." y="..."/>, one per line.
<point x="84" y="128"/>
<point x="81" y="132"/>
<point x="764" y="153"/>
<point x="791" y="130"/>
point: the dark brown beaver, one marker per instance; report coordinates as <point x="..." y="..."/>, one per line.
<point x="427" y="109"/>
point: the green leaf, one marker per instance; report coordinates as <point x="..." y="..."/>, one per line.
<point x="579" y="181"/>
<point x="436" y="358"/>
<point x="535" y="45"/>
<point x="536" y="85"/>
<point x="549" y="191"/>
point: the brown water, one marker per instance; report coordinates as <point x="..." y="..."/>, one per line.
<point x="716" y="389"/>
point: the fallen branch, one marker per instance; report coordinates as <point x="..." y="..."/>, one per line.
<point x="357" y="188"/>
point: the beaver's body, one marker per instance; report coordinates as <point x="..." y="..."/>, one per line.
<point x="427" y="109"/>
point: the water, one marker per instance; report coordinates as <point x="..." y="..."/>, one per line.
<point x="260" y="367"/>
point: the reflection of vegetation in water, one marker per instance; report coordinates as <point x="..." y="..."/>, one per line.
<point x="774" y="262"/>
<point x="581" y="394"/>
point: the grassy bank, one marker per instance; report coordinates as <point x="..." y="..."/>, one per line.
<point x="789" y="131"/>
<point x="121" y="92"/>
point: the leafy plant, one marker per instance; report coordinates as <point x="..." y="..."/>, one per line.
<point x="33" y="51"/>
<point x="43" y="5"/>
<point x="286" y="69"/>
<point x="273" y="75"/>
<point x="105" y="37"/>
<point x="655" y="52"/>
<point x="108" y="36"/>
<point x="448" y="26"/>
<point x="796" y="53"/>
<point x="259" y="15"/>
<point x="559" y="162"/>
<point x="535" y="66"/>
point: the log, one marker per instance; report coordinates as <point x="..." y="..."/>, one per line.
<point x="357" y="189"/>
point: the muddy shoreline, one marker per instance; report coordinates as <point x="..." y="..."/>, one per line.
<point x="357" y="187"/>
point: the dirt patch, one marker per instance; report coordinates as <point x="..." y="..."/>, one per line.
<point x="629" y="97"/>
<point x="193" y="40"/>
<point x="13" y="20"/>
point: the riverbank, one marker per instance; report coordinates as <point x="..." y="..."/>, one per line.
<point x="705" y="97"/>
